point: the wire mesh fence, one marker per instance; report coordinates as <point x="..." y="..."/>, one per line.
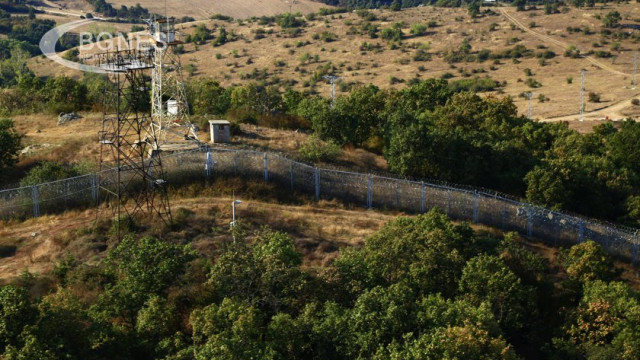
<point x="371" y="191"/>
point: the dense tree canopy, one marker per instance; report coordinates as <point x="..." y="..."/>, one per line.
<point x="420" y="288"/>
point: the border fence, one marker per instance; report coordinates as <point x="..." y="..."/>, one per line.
<point x="371" y="191"/>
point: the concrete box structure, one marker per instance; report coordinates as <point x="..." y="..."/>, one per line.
<point x="220" y="131"/>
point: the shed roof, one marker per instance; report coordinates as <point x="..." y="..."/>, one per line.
<point x="219" y="122"/>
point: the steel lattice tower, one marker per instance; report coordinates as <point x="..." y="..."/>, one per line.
<point x="131" y="180"/>
<point x="169" y="106"/>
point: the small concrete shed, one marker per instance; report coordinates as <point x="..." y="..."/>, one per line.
<point x="220" y="131"/>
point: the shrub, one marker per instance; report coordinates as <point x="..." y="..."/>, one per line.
<point x="594" y="97"/>
<point x="314" y="149"/>
<point x="635" y="102"/>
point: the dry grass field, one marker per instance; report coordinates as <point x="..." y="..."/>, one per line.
<point x="319" y="230"/>
<point x="203" y="9"/>
<point x="557" y="80"/>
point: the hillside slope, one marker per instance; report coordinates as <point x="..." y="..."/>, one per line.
<point x="341" y="44"/>
<point x="203" y="9"/>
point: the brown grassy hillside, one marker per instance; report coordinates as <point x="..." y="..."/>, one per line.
<point x="336" y="44"/>
<point x="202" y="9"/>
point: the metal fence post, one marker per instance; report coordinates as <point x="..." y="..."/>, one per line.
<point x="291" y="173"/>
<point x="316" y="177"/>
<point x="208" y="166"/>
<point x="580" y="231"/>
<point x="475" y="206"/>
<point x="635" y="247"/>
<point x="266" y="167"/>
<point x="504" y="216"/>
<point x="34" y="197"/>
<point x="423" y="198"/>
<point x="529" y="223"/>
<point x="448" y="202"/>
<point x="94" y="188"/>
<point x="369" y="191"/>
<point x="235" y="162"/>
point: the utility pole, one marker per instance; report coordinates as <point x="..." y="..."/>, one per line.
<point x="582" y="94"/>
<point x="333" y="79"/>
<point x="529" y="96"/>
<point x="635" y="69"/>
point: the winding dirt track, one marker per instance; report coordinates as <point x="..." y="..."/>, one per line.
<point x="613" y="111"/>
<point x="561" y="44"/>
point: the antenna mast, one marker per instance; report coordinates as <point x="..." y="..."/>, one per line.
<point x="582" y="94"/>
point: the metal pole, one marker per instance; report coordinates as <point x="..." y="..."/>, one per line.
<point x="635" y="70"/>
<point x="316" y="176"/>
<point x="36" y="205"/>
<point x="529" y="223"/>
<point x="530" y="97"/>
<point x="423" y="198"/>
<point x="291" y="174"/>
<point x="235" y="162"/>
<point x="475" y="206"/>
<point x="266" y="167"/>
<point x="94" y="188"/>
<point x="333" y="79"/>
<point x="580" y="231"/>
<point x="582" y="94"/>
<point x="369" y="192"/>
<point x="209" y="163"/>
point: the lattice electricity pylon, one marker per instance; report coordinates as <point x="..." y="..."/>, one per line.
<point x="169" y="106"/>
<point x="130" y="162"/>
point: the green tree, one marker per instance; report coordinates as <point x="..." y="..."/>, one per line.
<point x="140" y="268"/>
<point x="48" y="171"/>
<point x="10" y="144"/>
<point x="65" y="94"/>
<point x="231" y="330"/>
<point x="587" y="262"/>
<point x="612" y="19"/>
<point x="207" y="97"/>
<point x="473" y="8"/>
<point x="266" y="275"/>
<point x="456" y="342"/>
<point x="426" y="252"/>
<point x="16" y="312"/>
<point x="487" y="278"/>
<point x="222" y="37"/>
<point x="395" y="6"/>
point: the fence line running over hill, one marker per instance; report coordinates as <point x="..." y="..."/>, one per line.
<point x="371" y="191"/>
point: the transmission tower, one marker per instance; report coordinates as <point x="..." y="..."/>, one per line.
<point x="582" y="94"/>
<point x="169" y="107"/>
<point x="333" y="79"/>
<point x="131" y="180"/>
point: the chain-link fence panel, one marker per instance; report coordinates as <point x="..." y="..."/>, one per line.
<point x="461" y="205"/>
<point x="346" y="186"/>
<point x="17" y="203"/>
<point x="66" y="194"/>
<point x="181" y="168"/>
<point x="365" y="190"/>
<point x="304" y="179"/>
<point x="250" y="164"/>
<point x="279" y="170"/>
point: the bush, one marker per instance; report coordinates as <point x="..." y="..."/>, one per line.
<point x="635" y="102"/>
<point x="314" y="150"/>
<point x="9" y="144"/>
<point x="594" y="97"/>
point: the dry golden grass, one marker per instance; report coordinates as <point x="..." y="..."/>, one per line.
<point x="202" y="9"/>
<point x="356" y="66"/>
<point x="318" y="229"/>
